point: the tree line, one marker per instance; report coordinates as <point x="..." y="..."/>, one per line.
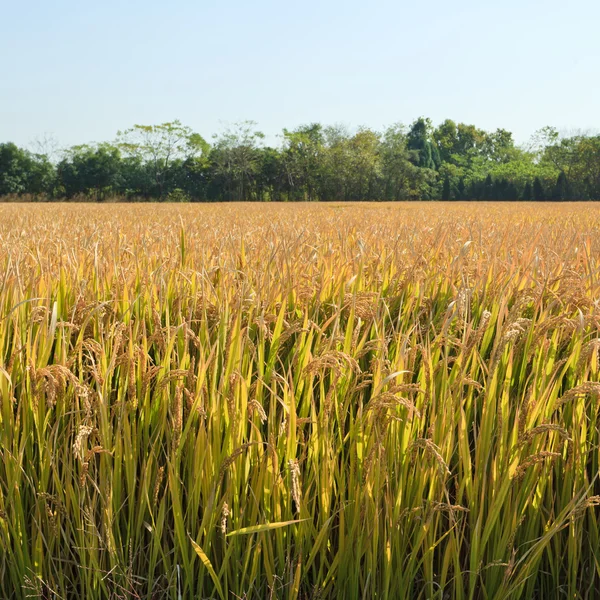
<point x="451" y="161"/>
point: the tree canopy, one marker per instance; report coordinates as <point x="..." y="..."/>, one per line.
<point x="450" y="161"/>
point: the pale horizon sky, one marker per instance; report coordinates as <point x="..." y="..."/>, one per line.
<point x="81" y="71"/>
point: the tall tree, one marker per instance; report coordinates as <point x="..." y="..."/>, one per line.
<point x="22" y="172"/>
<point x="538" y="190"/>
<point x="91" y="170"/>
<point x="236" y="160"/>
<point x="313" y="162"/>
<point x="419" y="141"/>
<point x="460" y="189"/>
<point x="561" y="189"/>
<point x="498" y="146"/>
<point x="365" y="165"/>
<point x="270" y="180"/>
<point x="446" y="188"/>
<point x="402" y="179"/>
<point x="488" y="188"/>
<point x="161" y="145"/>
<point x="303" y="153"/>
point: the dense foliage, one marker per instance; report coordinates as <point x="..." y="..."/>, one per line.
<point x="300" y="402"/>
<point x="449" y="162"/>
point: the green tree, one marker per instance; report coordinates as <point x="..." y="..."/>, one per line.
<point x="561" y="190"/>
<point x="270" y="179"/>
<point x="512" y="193"/>
<point x="560" y="152"/>
<point x="446" y="188"/>
<point x="235" y="160"/>
<point x="419" y="142"/>
<point x="335" y="164"/>
<point x="91" y="170"/>
<point x="445" y="138"/>
<point x="402" y="179"/>
<point x="538" y="190"/>
<point x="583" y="182"/>
<point x="161" y="145"/>
<point x="460" y="143"/>
<point x="488" y="188"/>
<point x="350" y="164"/>
<point x="498" y="146"/>
<point x="22" y="172"/>
<point x="461" y="189"/>
<point x="314" y="162"/>
<point x="303" y="154"/>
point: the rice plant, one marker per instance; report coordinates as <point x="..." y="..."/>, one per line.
<point x="346" y="401"/>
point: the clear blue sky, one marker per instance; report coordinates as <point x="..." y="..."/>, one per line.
<point x="82" y="70"/>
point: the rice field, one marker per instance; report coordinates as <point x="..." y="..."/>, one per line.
<point x="345" y="401"/>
